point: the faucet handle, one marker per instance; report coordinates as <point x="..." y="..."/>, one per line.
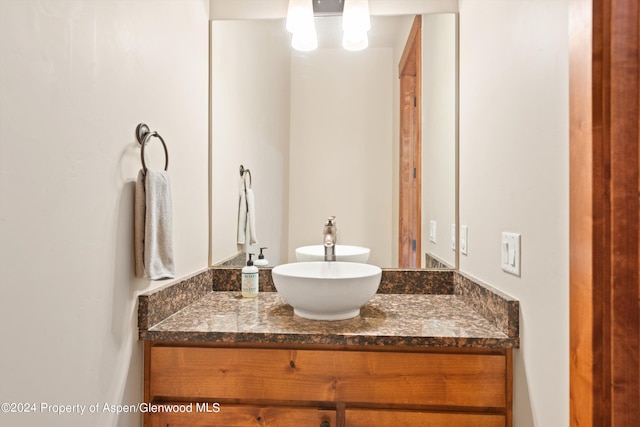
<point x="331" y="221"/>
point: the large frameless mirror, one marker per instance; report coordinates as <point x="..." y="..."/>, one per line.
<point x="323" y="134"/>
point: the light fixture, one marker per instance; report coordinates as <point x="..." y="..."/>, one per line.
<point x="300" y="22"/>
<point x="355" y="24"/>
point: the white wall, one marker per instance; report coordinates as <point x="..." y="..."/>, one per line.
<point x="439" y="133"/>
<point x="250" y="126"/>
<point x="76" y="77"/>
<point x="514" y="165"/>
<point x="341" y="146"/>
<point x="279" y="112"/>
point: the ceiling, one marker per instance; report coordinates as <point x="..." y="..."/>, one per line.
<point x="272" y="9"/>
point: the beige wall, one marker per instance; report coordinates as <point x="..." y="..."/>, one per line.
<point x="76" y="77"/>
<point x="317" y="135"/>
<point x="439" y="133"/>
<point x="250" y="126"/>
<point x="341" y="142"/>
<point x="514" y="165"/>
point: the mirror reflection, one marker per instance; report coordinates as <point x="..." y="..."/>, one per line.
<point x="323" y="135"/>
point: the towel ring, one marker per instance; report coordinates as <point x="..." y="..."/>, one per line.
<point x="143" y="135"/>
<point x="248" y="172"/>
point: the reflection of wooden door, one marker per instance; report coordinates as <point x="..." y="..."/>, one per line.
<point x="410" y="151"/>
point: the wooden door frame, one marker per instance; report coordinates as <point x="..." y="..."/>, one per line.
<point x="410" y="72"/>
<point x="604" y="213"/>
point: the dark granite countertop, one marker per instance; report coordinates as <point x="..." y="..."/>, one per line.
<point x="386" y="320"/>
<point x="466" y="315"/>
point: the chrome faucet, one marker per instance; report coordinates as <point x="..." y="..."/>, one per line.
<point x="330" y="236"/>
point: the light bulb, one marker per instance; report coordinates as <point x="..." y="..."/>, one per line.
<point x="299" y="13"/>
<point x="300" y="22"/>
<point x="355" y="17"/>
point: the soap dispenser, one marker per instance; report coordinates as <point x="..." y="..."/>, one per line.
<point x="250" y="279"/>
<point x="261" y="261"/>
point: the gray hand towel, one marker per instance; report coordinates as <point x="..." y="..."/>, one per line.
<point x="153" y="226"/>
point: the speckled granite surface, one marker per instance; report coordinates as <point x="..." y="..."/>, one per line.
<point x="499" y="308"/>
<point x="394" y="281"/>
<point x="386" y="320"/>
<point x="162" y="302"/>
<point x="438" y="308"/>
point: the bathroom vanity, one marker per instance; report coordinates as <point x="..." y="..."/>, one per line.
<point x="439" y="357"/>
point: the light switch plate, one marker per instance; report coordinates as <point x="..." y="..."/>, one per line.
<point x="432" y="230"/>
<point x="464" y="239"/>
<point x="510" y="253"/>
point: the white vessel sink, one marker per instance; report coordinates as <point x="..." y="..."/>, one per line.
<point x="326" y="290"/>
<point x="344" y="253"/>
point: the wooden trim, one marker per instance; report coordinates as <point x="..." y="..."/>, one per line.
<point x="624" y="322"/>
<point x="604" y="214"/>
<point x="581" y="215"/>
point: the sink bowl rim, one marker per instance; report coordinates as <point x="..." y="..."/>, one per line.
<point x="326" y="290"/>
<point x="352" y="249"/>
<point x="301" y="270"/>
<point x="347" y="253"/>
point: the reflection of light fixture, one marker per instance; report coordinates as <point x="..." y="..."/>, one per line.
<point x="355" y="24"/>
<point x="301" y="24"/>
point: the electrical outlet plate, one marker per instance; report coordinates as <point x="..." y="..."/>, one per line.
<point x="432" y="231"/>
<point x="464" y="239"/>
<point x="510" y="253"/>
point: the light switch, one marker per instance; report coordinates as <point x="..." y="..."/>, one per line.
<point x="464" y="238"/>
<point x="505" y="253"/>
<point x="432" y="230"/>
<point x="510" y="248"/>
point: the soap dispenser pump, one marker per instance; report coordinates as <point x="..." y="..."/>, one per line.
<point x="250" y="279"/>
<point x="261" y="261"/>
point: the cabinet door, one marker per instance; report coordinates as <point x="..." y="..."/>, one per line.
<point x="241" y="416"/>
<point x="368" y="418"/>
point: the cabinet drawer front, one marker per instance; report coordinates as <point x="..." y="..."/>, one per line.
<point x="367" y="418"/>
<point x="469" y="380"/>
<point x="245" y="416"/>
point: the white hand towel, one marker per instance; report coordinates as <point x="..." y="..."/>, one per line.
<point x="251" y="217"/>
<point x="242" y="215"/>
<point x="153" y="228"/>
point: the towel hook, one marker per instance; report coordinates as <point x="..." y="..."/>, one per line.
<point x="143" y="135"/>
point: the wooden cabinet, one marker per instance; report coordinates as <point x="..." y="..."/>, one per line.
<point x="377" y="417"/>
<point x="306" y="386"/>
<point x="243" y="416"/>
